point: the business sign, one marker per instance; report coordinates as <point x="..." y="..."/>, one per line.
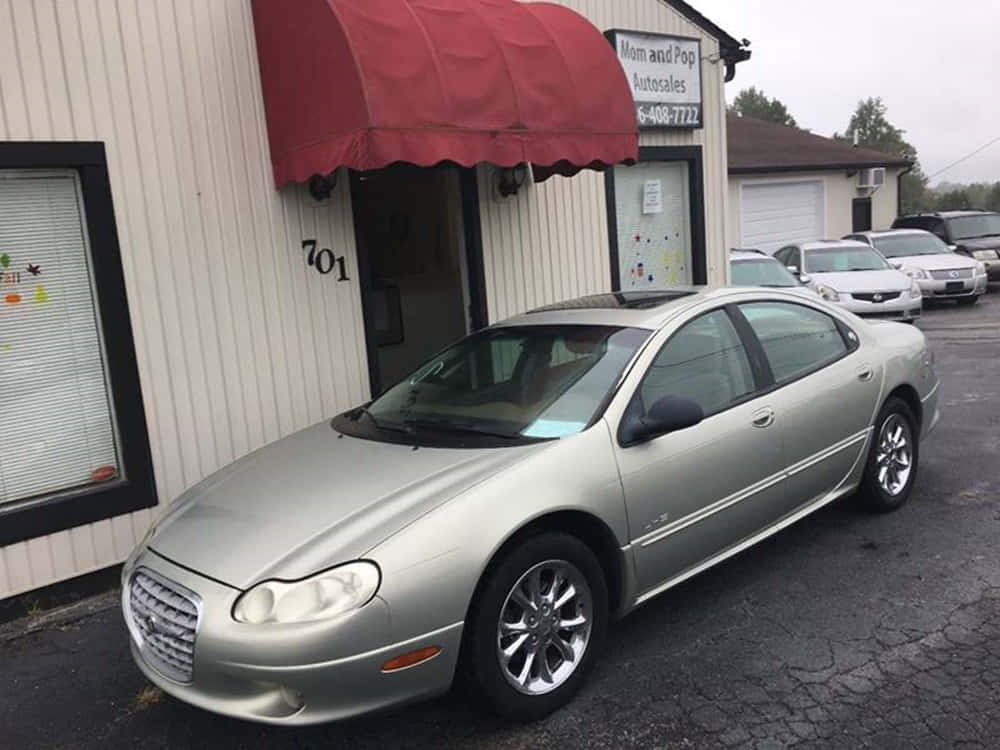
<point x="664" y="73"/>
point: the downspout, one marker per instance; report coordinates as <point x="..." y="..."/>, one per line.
<point x="732" y="55"/>
<point x="899" y="190"/>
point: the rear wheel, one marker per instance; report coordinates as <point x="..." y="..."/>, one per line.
<point x="537" y="625"/>
<point x="892" y="459"/>
<point x="966" y="301"/>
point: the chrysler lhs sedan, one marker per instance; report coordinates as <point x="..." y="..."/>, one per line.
<point x="486" y="517"/>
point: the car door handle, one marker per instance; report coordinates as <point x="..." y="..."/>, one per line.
<point x="865" y="373"/>
<point x="763" y="418"/>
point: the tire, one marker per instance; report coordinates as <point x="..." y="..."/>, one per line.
<point x="967" y="301"/>
<point x="494" y="682"/>
<point x="884" y="492"/>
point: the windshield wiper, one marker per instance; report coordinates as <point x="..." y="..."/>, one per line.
<point x="378" y="424"/>
<point x="433" y="424"/>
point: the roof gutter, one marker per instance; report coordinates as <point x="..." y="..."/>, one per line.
<point x="839" y="167"/>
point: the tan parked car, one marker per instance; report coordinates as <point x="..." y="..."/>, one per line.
<point x="491" y="512"/>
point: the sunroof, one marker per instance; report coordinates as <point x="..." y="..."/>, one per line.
<point x="618" y="301"/>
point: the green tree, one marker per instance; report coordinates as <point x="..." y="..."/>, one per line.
<point x="993" y="198"/>
<point x="872" y="128"/>
<point x="954" y="199"/>
<point x="753" y="103"/>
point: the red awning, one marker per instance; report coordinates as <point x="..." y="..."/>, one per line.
<point x="365" y="83"/>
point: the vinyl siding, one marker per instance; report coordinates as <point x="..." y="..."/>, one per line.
<point x="238" y="342"/>
<point x="840" y="190"/>
<point x="550" y="242"/>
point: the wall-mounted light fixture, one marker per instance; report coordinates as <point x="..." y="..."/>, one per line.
<point x="320" y="186"/>
<point x="511" y="179"/>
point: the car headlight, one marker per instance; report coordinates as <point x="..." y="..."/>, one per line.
<point x="319" y="597"/>
<point x="985" y="254"/>
<point x="914" y="273"/>
<point x="980" y="268"/>
<point x="827" y="292"/>
<point x="915" y="290"/>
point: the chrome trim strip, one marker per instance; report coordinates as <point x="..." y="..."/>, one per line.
<point x="710" y="510"/>
<point x="749" y="542"/>
<point x="825" y="454"/>
<point x="932" y="392"/>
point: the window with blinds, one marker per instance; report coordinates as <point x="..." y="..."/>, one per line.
<point x="57" y="422"/>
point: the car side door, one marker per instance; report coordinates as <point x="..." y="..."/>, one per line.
<point x="692" y="493"/>
<point x="825" y="388"/>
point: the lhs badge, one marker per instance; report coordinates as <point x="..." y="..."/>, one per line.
<point x="953" y="274"/>
<point x="876" y="297"/>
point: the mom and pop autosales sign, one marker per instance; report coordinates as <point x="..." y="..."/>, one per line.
<point x="664" y="73"/>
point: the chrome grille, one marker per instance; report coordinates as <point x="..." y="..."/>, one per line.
<point x="871" y="296"/>
<point x="958" y="273"/>
<point x="165" y="621"/>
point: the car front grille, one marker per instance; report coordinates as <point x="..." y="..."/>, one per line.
<point x="870" y="296"/>
<point x="165" y="619"/>
<point x="958" y="273"/>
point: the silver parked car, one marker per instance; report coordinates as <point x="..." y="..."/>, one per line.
<point x="757" y="268"/>
<point x="940" y="272"/>
<point x="490" y="513"/>
<point x="856" y="276"/>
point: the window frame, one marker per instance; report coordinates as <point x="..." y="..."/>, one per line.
<point x="852" y="341"/>
<point x="759" y="367"/>
<point x="48" y="514"/>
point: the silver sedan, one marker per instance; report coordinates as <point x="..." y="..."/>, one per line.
<point x="492" y="512"/>
<point x="940" y="272"/>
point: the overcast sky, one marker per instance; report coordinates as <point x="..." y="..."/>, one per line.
<point x="936" y="65"/>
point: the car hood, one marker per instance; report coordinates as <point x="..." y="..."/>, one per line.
<point x="982" y="243"/>
<point x="313" y="500"/>
<point x="887" y="280"/>
<point x="936" y="262"/>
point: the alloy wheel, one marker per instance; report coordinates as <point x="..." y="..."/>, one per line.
<point x="545" y="626"/>
<point x="894" y="455"/>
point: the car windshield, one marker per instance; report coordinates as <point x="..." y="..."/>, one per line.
<point x="510" y="383"/>
<point x="971" y="227"/>
<point x="842" y="258"/>
<point x="763" y="272"/>
<point x="899" y="245"/>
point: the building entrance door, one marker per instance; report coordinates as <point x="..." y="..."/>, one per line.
<point x="414" y="266"/>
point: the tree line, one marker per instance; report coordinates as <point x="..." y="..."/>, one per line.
<point x="870" y="125"/>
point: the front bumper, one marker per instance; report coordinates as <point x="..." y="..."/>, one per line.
<point x="939" y="289"/>
<point x="295" y="674"/>
<point x="903" y="308"/>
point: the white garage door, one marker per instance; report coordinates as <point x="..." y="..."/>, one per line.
<point x="776" y="214"/>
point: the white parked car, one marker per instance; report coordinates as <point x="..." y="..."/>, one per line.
<point x="757" y="268"/>
<point x="940" y="271"/>
<point x="856" y="276"/>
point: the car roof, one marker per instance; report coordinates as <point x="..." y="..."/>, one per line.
<point x="892" y="232"/>
<point x="754" y="254"/>
<point x="950" y="214"/>
<point x="646" y="309"/>
<point x="821" y="244"/>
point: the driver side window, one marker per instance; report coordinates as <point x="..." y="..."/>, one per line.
<point x="704" y="361"/>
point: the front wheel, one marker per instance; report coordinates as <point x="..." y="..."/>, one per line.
<point x="892" y="458"/>
<point x="537" y="625"/>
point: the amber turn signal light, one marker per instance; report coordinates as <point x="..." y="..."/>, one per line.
<point x="411" y="659"/>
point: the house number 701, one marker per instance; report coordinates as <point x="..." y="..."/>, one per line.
<point x="324" y="260"/>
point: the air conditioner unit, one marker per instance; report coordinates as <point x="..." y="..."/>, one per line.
<point x="871" y="178"/>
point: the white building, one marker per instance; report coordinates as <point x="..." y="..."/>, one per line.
<point x="174" y="296"/>
<point x="787" y="185"/>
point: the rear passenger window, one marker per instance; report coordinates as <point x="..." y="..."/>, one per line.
<point x="796" y="339"/>
<point x="705" y="362"/>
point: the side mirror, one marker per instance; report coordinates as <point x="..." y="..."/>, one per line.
<point x="668" y="414"/>
<point x="953" y="248"/>
<point x="805" y="278"/>
<point x="793" y="269"/>
<point x="896" y="264"/>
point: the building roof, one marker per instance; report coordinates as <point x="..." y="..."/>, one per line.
<point x="731" y="49"/>
<point x="759" y="146"/>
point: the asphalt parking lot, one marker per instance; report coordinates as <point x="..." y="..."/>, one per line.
<point x="845" y="630"/>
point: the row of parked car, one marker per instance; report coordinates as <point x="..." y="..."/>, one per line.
<point x="888" y="273"/>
